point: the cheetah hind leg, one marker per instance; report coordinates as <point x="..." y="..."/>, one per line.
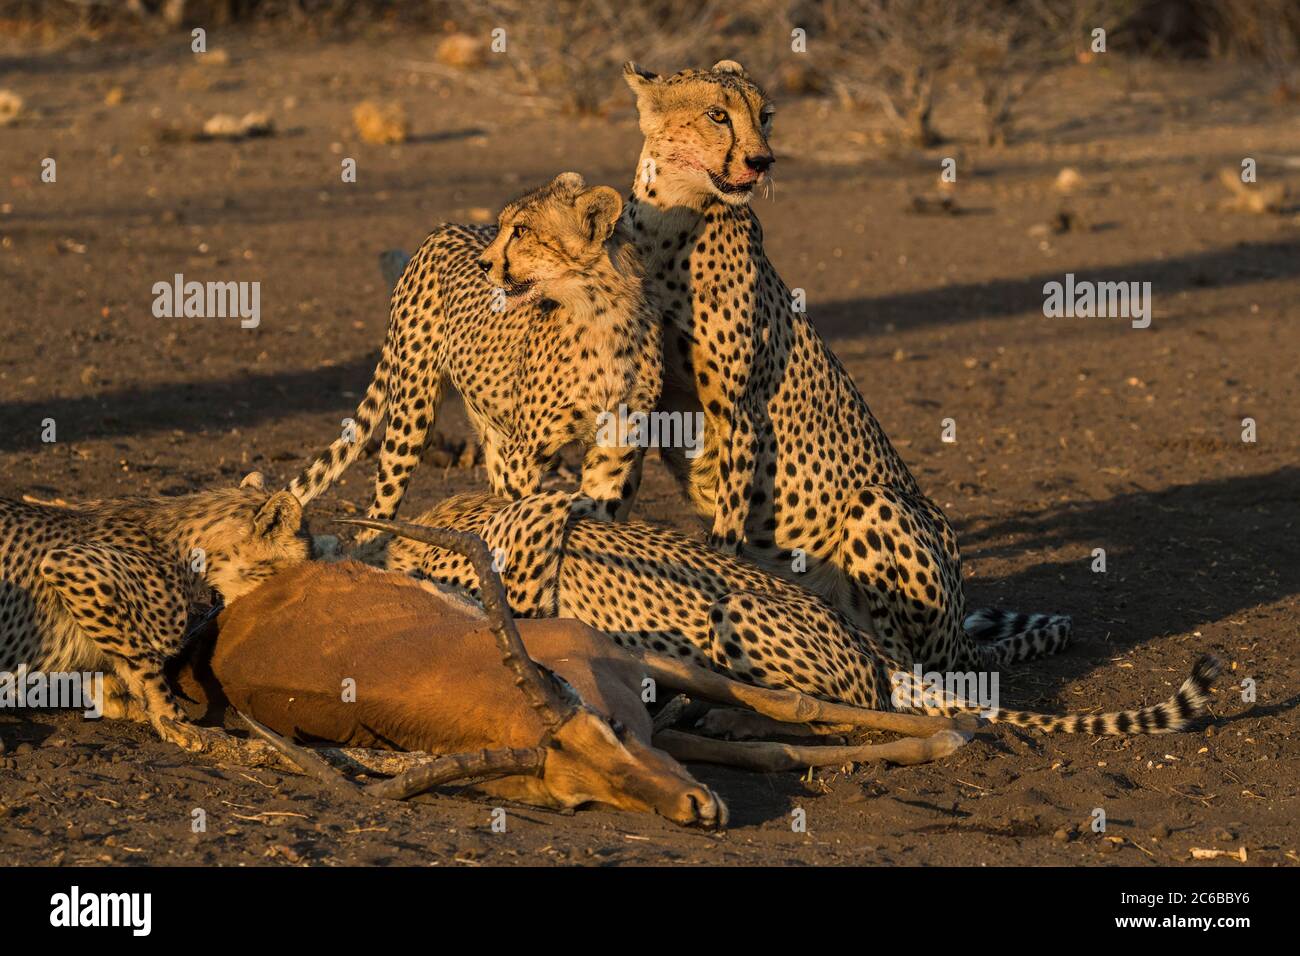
<point x="1009" y="637"/>
<point x="135" y="613"/>
<point x="118" y="702"/>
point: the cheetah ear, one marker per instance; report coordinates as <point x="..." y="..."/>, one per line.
<point x="729" y="66"/>
<point x="640" y="80"/>
<point x="569" y="182"/>
<point x="254" y="480"/>
<point x="600" y="208"/>
<point x="280" y="516"/>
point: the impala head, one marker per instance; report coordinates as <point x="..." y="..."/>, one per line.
<point x="550" y="240"/>
<point x="705" y="134"/>
<point x="589" y="757"/>
<point x="594" y="759"/>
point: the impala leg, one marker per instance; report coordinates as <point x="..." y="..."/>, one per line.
<point x="769" y="757"/>
<point x="791" y="706"/>
<point x="736" y="723"/>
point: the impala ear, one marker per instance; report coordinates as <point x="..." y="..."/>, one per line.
<point x="280" y="516"/>
<point x="254" y="480"/>
<point x="600" y="209"/>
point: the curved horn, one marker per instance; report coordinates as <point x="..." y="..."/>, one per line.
<point x="438" y="770"/>
<point x="537" y="686"/>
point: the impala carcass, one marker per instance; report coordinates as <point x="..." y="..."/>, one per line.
<point x="546" y="712"/>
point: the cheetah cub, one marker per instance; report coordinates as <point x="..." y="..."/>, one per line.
<point x="542" y="326"/>
<point x="108" y="585"/>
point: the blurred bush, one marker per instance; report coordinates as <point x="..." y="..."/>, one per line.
<point x="895" y="55"/>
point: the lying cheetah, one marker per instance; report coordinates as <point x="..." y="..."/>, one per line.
<point x="540" y="324"/>
<point x="650" y="587"/>
<point x="108" y="585"/>
<point x="797" y="473"/>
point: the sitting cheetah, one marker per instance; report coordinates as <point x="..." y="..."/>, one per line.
<point x="109" y="585"/>
<point x="650" y="587"/>
<point x="797" y="473"/>
<point x="540" y="324"/>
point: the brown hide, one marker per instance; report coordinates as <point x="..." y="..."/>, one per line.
<point x="429" y="677"/>
<point x="281" y="654"/>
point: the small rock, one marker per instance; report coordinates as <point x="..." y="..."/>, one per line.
<point x="11" y="107"/>
<point x="226" y="126"/>
<point x="220" y="57"/>
<point x="460" y="50"/>
<point x="381" y="123"/>
<point x="1068" y="180"/>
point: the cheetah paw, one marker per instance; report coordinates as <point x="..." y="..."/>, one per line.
<point x="185" y="735"/>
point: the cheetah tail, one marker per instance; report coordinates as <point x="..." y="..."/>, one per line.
<point x="1168" y="716"/>
<point x="1001" y="637"/>
<point x="325" y="470"/>
<point x="347" y="448"/>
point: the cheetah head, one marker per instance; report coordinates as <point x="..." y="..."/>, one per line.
<point x="705" y="134"/>
<point x="550" y="240"/>
<point x="248" y="535"/>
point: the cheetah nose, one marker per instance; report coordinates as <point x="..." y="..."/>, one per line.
<point x="485" y="266"/>
<point x="760" y="163"/>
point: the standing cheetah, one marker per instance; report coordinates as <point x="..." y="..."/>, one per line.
<point x="650" y="587"/>
<point x="575" y="339"/>
<point x="109" y="585"/>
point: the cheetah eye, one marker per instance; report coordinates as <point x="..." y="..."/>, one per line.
<point x="519" y="232"/>
<point x="718" y="116"/>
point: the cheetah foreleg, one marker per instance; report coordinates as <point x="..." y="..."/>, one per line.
<point x="611" y="477"/>
<point x="133" y="609"/>
<point x="736" y="470"/>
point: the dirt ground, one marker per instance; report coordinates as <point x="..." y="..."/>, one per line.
<point x="1071" y="434"/>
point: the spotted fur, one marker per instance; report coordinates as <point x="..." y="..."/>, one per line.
<point x="647" y="586"/>
<point x="540" y="323"/>
<point x="108" y="586"/>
